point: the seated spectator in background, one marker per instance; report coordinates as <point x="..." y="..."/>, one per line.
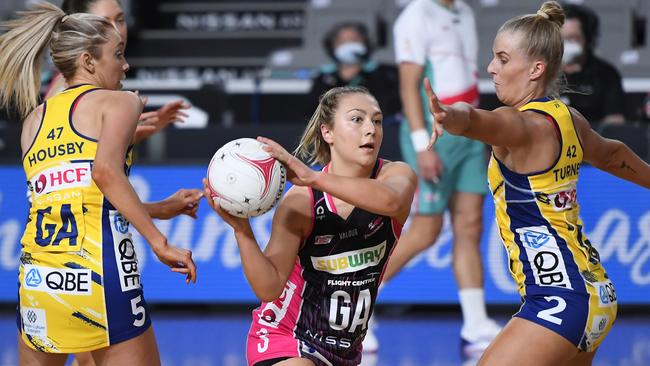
<point x="595" y="87"/>
<point x="349" y="47"/>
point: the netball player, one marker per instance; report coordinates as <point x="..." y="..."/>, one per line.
<point x="569" y="303"/>
<point x="79" y="285"/>
<point x="149" y="122"/>
<point x="331" y="237"/>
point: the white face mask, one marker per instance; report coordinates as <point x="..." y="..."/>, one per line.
<point x="572" y="51"/>
<point x="350" y="53"/>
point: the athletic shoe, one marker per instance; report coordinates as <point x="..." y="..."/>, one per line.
<point x="473" y="344"/>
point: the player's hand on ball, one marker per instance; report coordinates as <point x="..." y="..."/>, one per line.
<point x="297" y="172"/>
<point x="237" y="223"/>
<point x="178" y="259"/>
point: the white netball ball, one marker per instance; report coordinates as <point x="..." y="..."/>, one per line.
<point x="245" y="180"/>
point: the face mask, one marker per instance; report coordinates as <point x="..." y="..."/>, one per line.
<point x="350" y="53"/>
<point x="572" y="51"/>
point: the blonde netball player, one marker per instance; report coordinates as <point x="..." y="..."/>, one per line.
<point x="569" y="303"/>
<point x="331" y="238"/>
<point x="79" y="282"/>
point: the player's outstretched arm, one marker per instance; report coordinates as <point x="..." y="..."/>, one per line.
<point x="182" y="202"/>
<point x="609" y="155"/>
<point x="267" y="272"/>
<point x="505" y="126"/>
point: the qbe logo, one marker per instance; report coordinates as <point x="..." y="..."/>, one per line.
<point x="125" y="256"/>
<point x="544" y="256"/>
<point x="120" y="223"/>
<point x="67" y="281"/>
<point x="535" y="239"/>
<point x="606" y="294"/>
<point x="33" y="278"/>
<point x="34" y="321"/>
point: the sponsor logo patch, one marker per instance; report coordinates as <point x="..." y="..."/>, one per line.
<point x="121" y="225"/>
<point x="125" y="257"/>
<point x="374" y="226"/>
<point x="34" y="321"/>
<point x="64" y="176"/>
<point x="323" y="239"/>
<point x="67" y="281"/>
<point x="544" y="256"/>
<point x="351" y="261"/>
<point x="606" y="294"/>
<point x="598" y="327"/>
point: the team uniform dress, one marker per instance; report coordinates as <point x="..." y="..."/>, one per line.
<point x="563" y="285"/>
<point x="79" y="284"/>
<point x="327" y="301"/>
<point x="444" y="42"/>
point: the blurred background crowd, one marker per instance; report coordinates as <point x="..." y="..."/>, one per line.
<point x="263" y="63"/>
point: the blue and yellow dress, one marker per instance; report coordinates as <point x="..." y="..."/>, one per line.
<point x="79" y="283"/>
<point x="563" y="285"/>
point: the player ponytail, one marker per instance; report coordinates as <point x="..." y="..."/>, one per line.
<point x="22" y="47"/>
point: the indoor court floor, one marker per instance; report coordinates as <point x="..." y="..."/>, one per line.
<point x="217" y="338"/>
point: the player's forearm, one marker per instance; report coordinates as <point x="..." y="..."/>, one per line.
<point x="368" y="194"/>
<point x="625" y="164"/>
<point x="154" y="209"/>
<point x="260" y="272"/>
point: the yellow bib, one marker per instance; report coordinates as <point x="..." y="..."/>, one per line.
<point x="538" y="215"/>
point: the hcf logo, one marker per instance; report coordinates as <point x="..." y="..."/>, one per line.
<point x="33" y="278"/>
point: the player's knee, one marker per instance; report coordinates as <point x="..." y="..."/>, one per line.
<point x="425" y="232"/>
<point x="468" y="220"/>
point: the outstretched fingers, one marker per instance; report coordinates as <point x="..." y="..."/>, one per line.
<point x="437" y="112"/>
<point x="434" y="102"/>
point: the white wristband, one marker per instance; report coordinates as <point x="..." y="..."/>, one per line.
<point x="420" y="139"/>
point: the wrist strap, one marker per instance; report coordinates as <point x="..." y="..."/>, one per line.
<point x="420" y="139"/>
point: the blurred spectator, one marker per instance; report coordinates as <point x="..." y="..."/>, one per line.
<point x="348" y="45"/>
<point x="595" y="87"/>
<point x="438" y="40"/>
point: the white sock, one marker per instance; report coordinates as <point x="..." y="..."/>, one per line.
<point x="472" y="305"/>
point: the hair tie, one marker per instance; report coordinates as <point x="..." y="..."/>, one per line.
<point x="542" y="14"/>
<point x="64" y="18"/>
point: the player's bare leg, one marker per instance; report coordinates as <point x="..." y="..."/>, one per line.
<point x="139" y="351"/>
<point x="30" y="357"/>
<point x="513" y="347"/>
